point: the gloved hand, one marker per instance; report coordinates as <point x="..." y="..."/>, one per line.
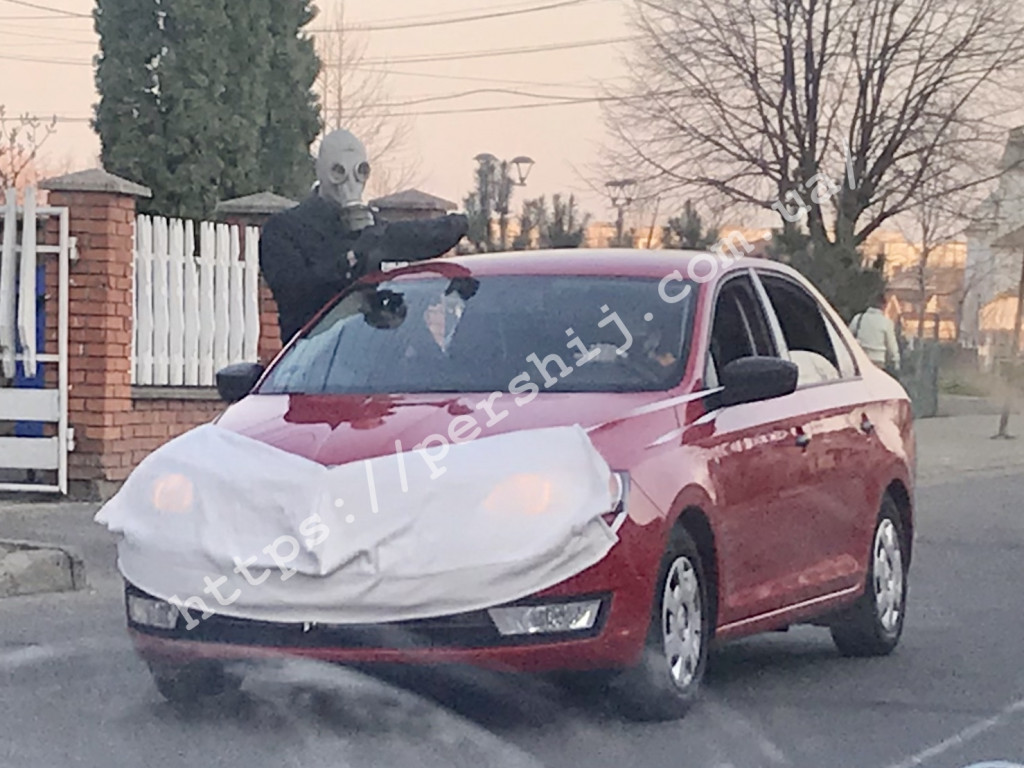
<point x="357" y="217"/>
<point x="459" y="224"/>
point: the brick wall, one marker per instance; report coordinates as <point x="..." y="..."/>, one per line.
<point x="270" y="329"/>
<point x="115" y="425"/>
<point x="152" y="422"/>
<point x="99" y="334"/>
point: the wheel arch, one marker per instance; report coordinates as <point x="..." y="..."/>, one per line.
<point x="900" y="495"/>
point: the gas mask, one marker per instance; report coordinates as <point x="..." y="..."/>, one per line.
<point x="342" y="169"/>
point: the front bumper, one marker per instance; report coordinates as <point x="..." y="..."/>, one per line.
<point x="613" y="641"/>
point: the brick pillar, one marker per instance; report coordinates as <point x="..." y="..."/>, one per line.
<point x="253" y="211"/>
<point x="102" y="216"/>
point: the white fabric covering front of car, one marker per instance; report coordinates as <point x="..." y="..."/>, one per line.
<point x="219" y="521"/>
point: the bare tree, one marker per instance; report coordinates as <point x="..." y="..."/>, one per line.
<point x="354" y="96"/>
<point x="833" y="113"/>
<point x="21" y="140"/>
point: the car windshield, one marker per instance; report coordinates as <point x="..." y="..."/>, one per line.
<point x="436" y="334"/>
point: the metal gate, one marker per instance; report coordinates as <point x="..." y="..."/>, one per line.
<point x="35" y="438"/>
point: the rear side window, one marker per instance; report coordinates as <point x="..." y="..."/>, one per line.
<point x="807" y="332"/>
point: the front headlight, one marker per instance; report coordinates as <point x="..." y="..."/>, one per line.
<point x="152" y="613"/>
<point x="546" y="619"/>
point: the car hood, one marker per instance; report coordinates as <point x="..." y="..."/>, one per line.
<point x="339" y="429"/>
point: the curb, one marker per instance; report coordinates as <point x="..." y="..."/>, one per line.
<point x="32" y="568"/>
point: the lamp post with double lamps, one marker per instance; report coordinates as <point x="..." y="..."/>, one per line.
<point x="623" y="194"/>
<point x="500" y="171"/>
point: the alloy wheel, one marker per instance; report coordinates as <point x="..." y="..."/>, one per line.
<point x="682" y="622"/>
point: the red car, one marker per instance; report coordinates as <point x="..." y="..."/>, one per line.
<point x="764" y="466"/>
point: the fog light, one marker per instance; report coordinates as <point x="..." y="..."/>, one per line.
<point x="546" y="619"/>
<point x="152" y="613"/>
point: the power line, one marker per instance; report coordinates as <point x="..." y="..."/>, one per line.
<point x="466" y="78"/>
<point x="509" y="107"/>
<point x="462" y="56"/>
<point x="445" y="22"/>
<point x="50" y="38"/>
<point x="476" y="92"/>
<point x="465" y="111"/>
<point x="58" y="11"/>
<point x="567" y="102"/>
<point x="49" y="19"/>
<point x="66" y="62"/>
<point x="16" y="31"/>
<point x="447" y="15"/>
<point x="404" y="60"/>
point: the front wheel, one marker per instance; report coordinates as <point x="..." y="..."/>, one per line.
<point x="192" y="683"/>
<point x="874" y="625"/>
<point x="666" y="683"/>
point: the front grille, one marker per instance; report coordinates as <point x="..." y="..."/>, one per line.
<point x="464" y="630"/>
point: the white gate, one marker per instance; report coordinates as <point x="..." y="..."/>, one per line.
<point x="20" y="257"/>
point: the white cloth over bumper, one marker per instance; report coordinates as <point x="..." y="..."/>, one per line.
<point x="282" y="538"/>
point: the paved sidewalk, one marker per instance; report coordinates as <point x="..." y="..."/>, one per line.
<point x="65" y="524"/>
<point x="951" y="447"/>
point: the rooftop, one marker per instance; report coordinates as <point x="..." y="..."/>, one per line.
<point x="414" y="200"/>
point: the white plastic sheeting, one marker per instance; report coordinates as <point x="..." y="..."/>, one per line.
<point x="27" y="285"/>
<point x="8" y="285"/>
<point x="221" y="522"/>
<point x="18" y="289"/>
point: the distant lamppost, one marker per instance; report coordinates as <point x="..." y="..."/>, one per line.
<point x="622" y="193"/>
<point x="505" y="182"/>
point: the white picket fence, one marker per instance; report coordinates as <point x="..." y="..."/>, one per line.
<point x="196" y="309"/>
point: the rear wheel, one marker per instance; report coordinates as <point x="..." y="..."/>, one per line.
<point x="873" y="626"/>
<point x="666" y="683"/>
<point x="191" y="683"/>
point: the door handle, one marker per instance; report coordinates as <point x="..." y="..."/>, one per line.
<point x="803" y="440"/>
<point x="866" y="426"/>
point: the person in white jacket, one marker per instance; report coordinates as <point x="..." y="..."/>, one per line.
<point x="877" y="336"/>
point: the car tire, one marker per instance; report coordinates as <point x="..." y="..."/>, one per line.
<point x="666" y="683"/>
<point x="192" y="683"/>
<point x="874" y="624"/>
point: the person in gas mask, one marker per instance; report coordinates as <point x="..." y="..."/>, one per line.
<point x="310" y="253"/>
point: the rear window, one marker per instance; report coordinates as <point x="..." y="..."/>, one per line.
<point x="501" y="333"/>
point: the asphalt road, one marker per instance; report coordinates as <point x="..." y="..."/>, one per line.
<point x="72" y="693"/>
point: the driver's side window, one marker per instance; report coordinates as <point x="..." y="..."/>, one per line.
<point x="739" y="329"/>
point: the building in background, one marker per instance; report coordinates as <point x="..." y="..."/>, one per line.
<point x="994" y="257"/>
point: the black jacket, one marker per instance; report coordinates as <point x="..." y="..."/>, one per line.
<point x="304" y="254"/>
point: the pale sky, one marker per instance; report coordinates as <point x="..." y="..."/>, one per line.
<point x="46" y="69"/>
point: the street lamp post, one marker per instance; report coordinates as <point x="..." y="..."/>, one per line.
<point x="622" y="193"/>
<point x="505" y="184"/>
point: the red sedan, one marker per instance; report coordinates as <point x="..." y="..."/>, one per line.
<point x="763" y="468"/>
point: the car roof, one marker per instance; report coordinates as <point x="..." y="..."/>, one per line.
<point x="591" y="261"/>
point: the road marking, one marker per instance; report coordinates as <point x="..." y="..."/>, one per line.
<point x="968" y="734"/>
<point x="744" y="730"/>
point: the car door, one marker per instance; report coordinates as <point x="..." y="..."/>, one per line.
<point x="754" y="462"/>
<point x="832" y="503"/>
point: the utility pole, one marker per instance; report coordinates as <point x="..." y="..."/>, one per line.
<point x="1013" y="358"/>
<point x="654" y="223"/>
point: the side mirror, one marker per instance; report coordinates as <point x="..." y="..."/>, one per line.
<point x="753" y="379"/>
<point x="236" y="381"/>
